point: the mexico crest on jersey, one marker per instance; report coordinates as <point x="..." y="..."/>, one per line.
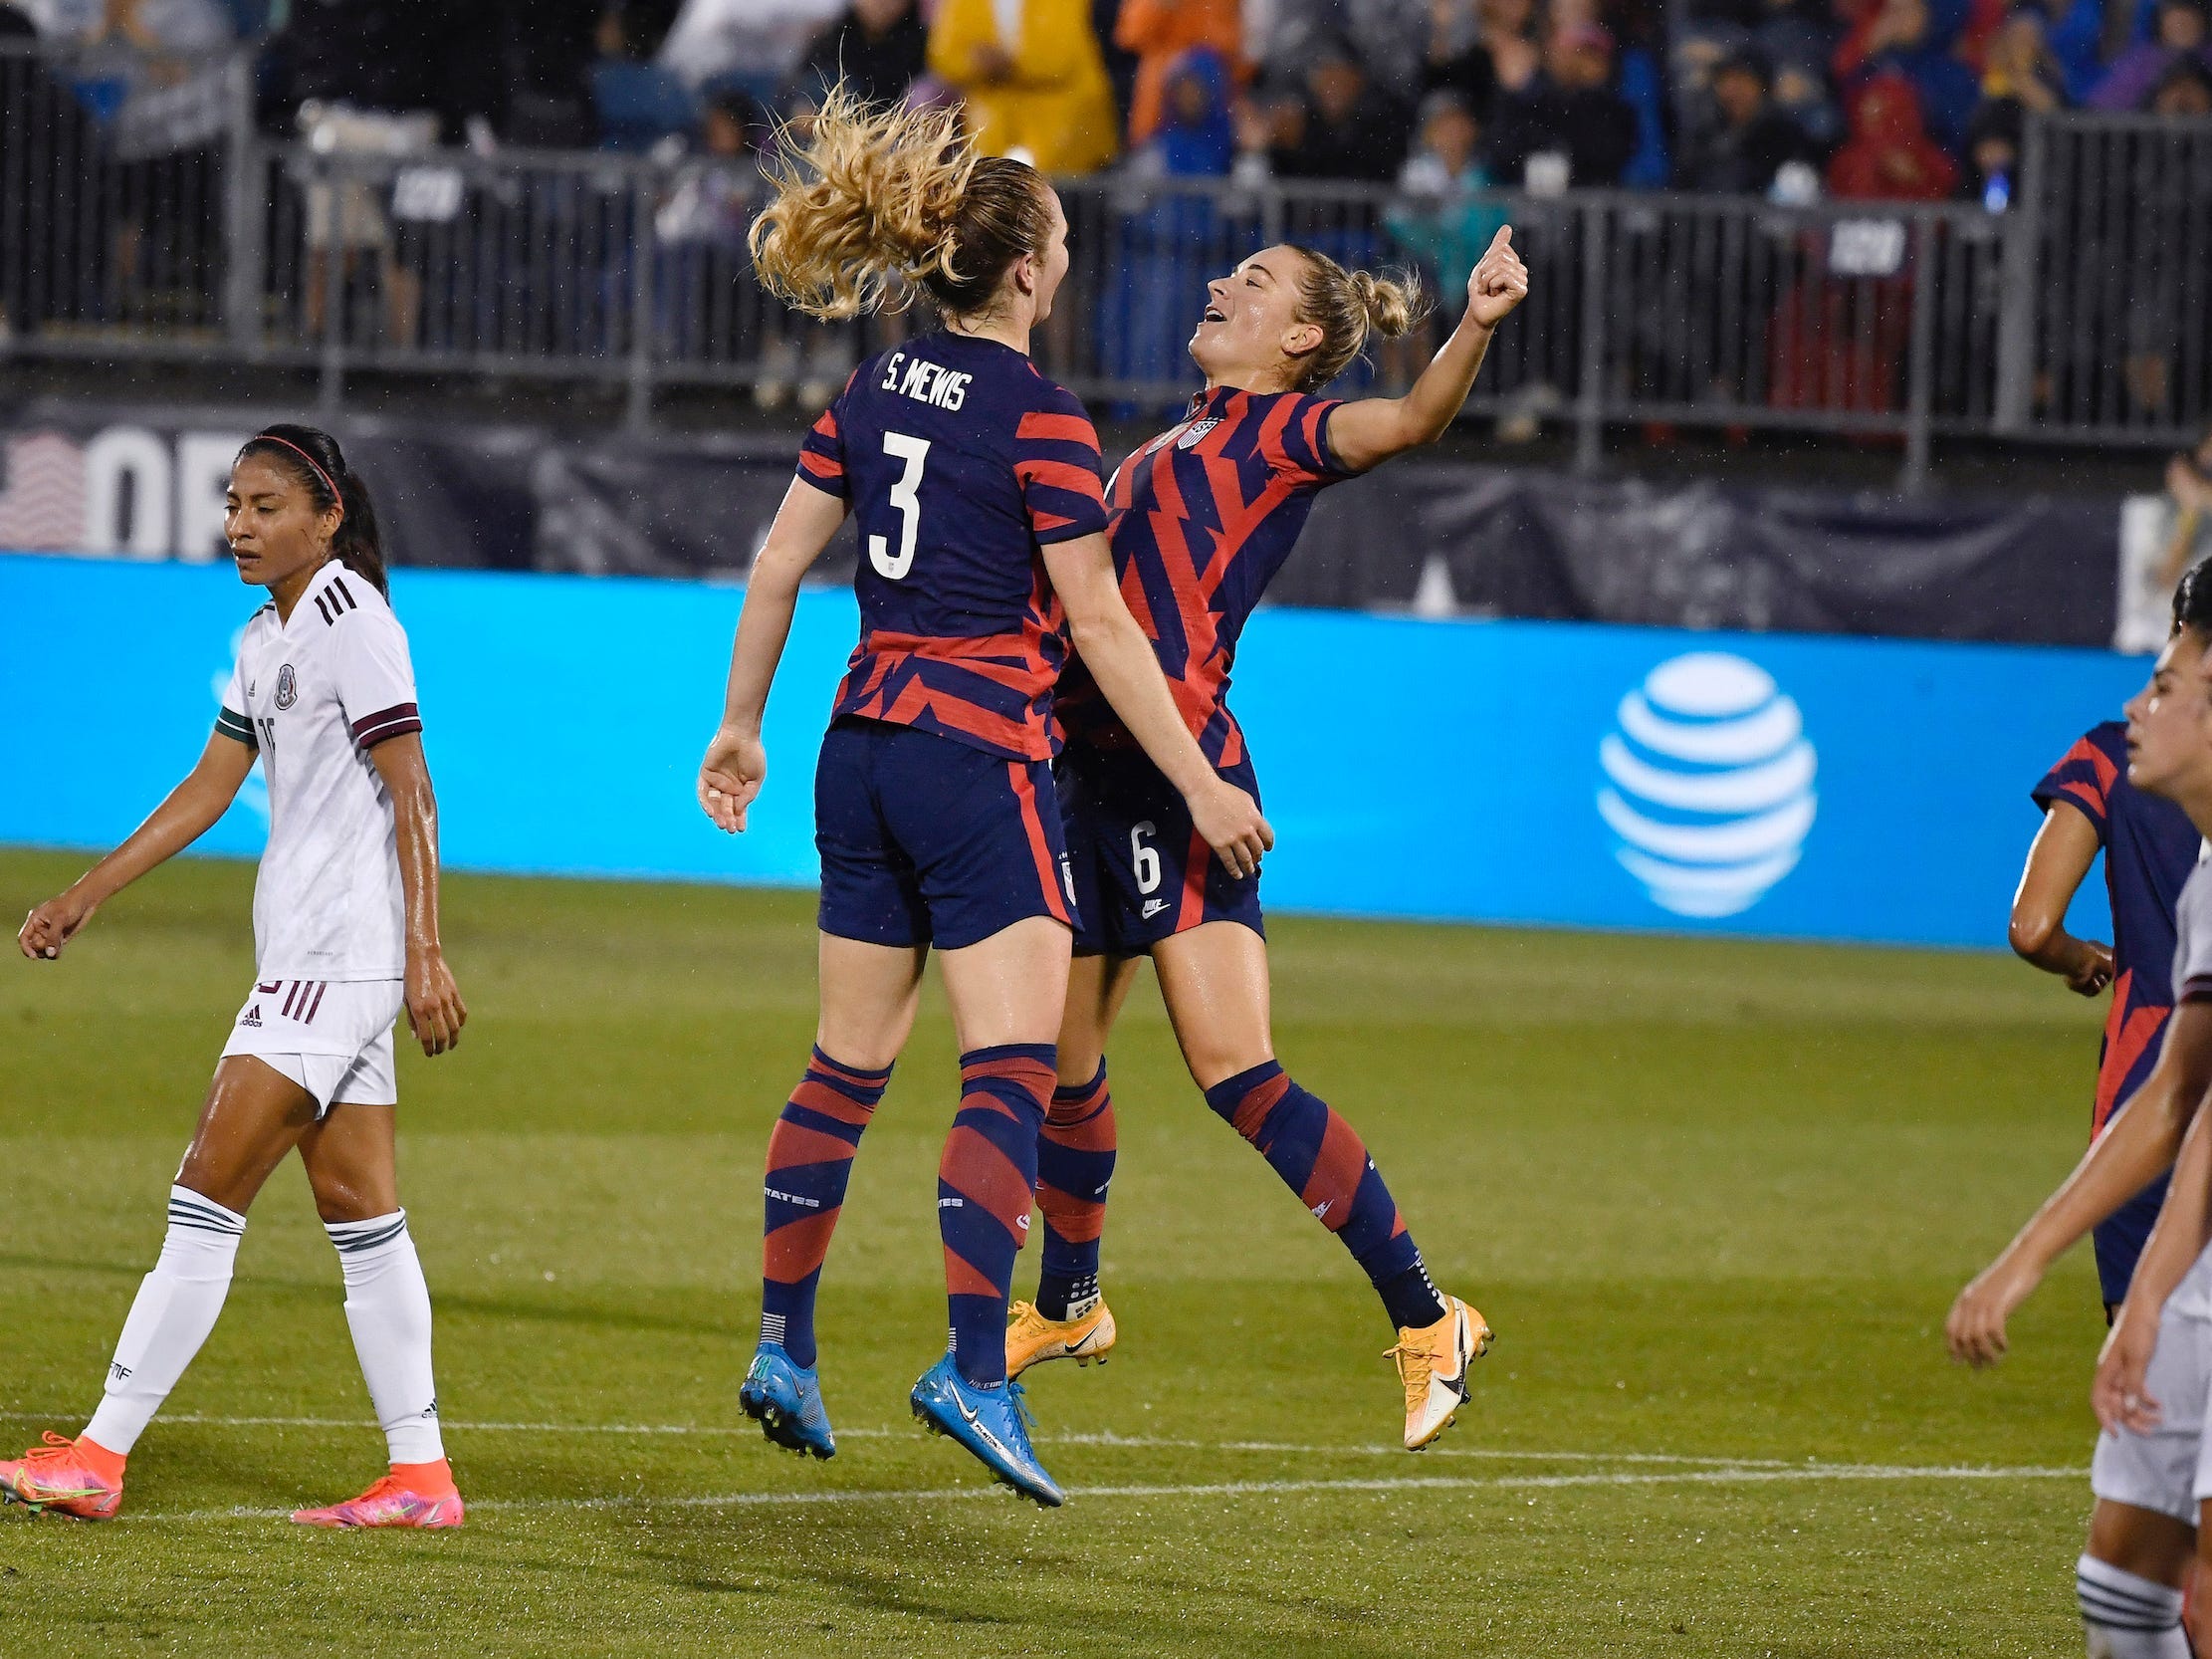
<point x="1197" y="430"/>
<point x="287" y="687"/>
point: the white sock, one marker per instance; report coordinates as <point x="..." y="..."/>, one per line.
<point x="388" y="1305"/>
<point x="175" y="1309"/>
<point x="2127" y="1617"/>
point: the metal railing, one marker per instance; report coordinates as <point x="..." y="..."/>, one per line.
<point x="166" y="227"/>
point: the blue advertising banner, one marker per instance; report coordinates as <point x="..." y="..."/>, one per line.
<point x="1510" y="772"/>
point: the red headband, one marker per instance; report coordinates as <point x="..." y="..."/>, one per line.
<point x="270" y="438"/>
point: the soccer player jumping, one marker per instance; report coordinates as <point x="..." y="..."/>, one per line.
<point x="975" y="483"/>
<point x="1202" y="519"/>
<point x="346" y="935"/>
<point x="2151" y="1475"/>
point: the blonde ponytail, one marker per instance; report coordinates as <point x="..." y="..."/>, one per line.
<point x="876" y="196"/>
<point x="1346" y="306"/>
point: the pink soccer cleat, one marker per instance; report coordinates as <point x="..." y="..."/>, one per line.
<point x="392" y="1502"/>
<point x="59" y="1475"/>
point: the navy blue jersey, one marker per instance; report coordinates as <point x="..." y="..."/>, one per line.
<point x="2150" y="850"/>
<point x="961" y="462"/>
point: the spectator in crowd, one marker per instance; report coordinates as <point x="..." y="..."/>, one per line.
<point x="1166" y="247"/>
<point x="1993" y="153"/>
<point x="2158" y="546"/>
<point x="2021" y="67"/>
<point x="1342" y="128"/>
<point x="1509" y="32"/>
<point x="1387" y="37"/>
<point x="754" y="44"/>
<point x="1459" y="61"/>
<point x="1905" y="38"/>
<point x="179" y="26"/>
<point x="1161" y="32"/>
<point x="1448" y="215"/>
<point x="1889" y="155"/>
<point x="1740" y="154"/>
<point x="1033" y="79"/>
<point x="879" y="48"/>
<point x="1570" y="111"/>
<point x="2184" y="91"/>
<point x="2179" y="34"/>
<point x="642" y="106"/>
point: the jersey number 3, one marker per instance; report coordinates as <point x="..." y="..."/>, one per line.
<point x="906" y="497"/>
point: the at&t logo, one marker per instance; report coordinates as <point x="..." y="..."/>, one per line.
<point x="1709" y="783"/>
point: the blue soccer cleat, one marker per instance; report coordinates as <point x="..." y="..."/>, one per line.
<point x="785" y="1399"/>
<point x="991" y="1422"/>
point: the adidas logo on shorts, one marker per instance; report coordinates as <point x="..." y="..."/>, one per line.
<point x="252" y="1016"/>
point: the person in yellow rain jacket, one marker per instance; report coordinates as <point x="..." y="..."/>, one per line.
<point x="1034" y="79"/>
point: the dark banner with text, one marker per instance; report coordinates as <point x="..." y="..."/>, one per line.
<point x="1440" y="539"/>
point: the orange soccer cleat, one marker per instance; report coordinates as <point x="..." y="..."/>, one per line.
<point x="1433" y="1364"/>
<point x="420" y="1494"/>
<point x="1031" y="1338"/>
<point x="68" y="1477"/>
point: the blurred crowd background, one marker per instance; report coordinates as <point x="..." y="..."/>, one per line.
<point x="1892" y="100"/>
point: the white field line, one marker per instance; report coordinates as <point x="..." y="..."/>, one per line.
<point x="1222" y="1488"/>
<point x="1105" y="1438"/>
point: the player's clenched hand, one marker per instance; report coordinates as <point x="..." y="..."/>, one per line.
<point x="730" y="776"/>
<point x="2091" y="970"/>
<point x="435" y="1010"/>
<point x="1499" y="281"/>
<point x="2119" y="1395"/>
<point x="1231" y="821"/>
<point x="52" y="925"/>
<point x="1975" y="1330"/>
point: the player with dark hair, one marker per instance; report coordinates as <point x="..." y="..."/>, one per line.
<point x="2149" y="849"/>
<point x="1202" y="517"/>
<point x="346" y="934"/>
<point x="2150" y="1474"/>
<point x="976" y="482"/>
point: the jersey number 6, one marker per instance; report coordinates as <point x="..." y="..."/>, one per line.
<point x="906" y="497"/>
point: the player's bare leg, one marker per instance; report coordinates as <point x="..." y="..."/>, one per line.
<point x="253" y="1116"/>
<point x="1069" y="1318"/>
<point x="870" y="994"/>
<point x="1214" y="982"/>
<point x="1007" y="993"/>
<point x="2131" y="1580"/>
<point x="353" y="1167"/>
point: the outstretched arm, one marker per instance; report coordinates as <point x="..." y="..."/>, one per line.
<point x="2140" y="1145"/>
<point x="2061" y="857"/>
<point x="736" y="764"/>
<point x="189" y="812"/>
<point x="1372" y="430"/>
<point x="435" y="1010"/>
<point x="1122" y="661"/>
<point x="2119" y="1394"/>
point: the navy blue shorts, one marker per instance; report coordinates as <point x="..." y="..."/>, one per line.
<point x="1141" y="873"/>
<point x="926" y="840"/>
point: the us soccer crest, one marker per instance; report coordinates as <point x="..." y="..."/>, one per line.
<point x="1197" y="430"/>
<point x="287" y="687"/>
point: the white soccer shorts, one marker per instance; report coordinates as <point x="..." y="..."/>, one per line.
<point x="330" y="1036"/>
<point x="2166" y="1469"/>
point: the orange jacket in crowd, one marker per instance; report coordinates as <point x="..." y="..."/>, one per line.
<point x="1161" y="31"/>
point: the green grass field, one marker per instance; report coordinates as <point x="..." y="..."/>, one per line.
<point x="1715" y="1197"/>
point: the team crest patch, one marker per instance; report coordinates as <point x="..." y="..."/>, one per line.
<point x="287" y="687"/>
<point x="1197" y="430"/>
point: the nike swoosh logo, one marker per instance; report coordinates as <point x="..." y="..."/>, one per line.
<point x="973" y="1421"/>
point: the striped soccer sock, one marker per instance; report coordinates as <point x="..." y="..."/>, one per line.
<point x="2126" y="1616"/>
<point x="1075" y="1166"/>
<point x="810" y="1152"/>
<point x="985" y="1184"/>
<point x="387" y="1309"/>
<point x="1322" y="1159"/>
<point x="176" y="1307"/>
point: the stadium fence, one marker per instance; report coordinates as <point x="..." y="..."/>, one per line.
<point x="142" y="214"/>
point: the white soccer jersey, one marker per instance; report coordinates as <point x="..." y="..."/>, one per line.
<point x="314" y="695"/>
<point x="2192" y="982"/>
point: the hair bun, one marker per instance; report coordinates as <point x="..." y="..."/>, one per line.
<point x="1390" y="305"/>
